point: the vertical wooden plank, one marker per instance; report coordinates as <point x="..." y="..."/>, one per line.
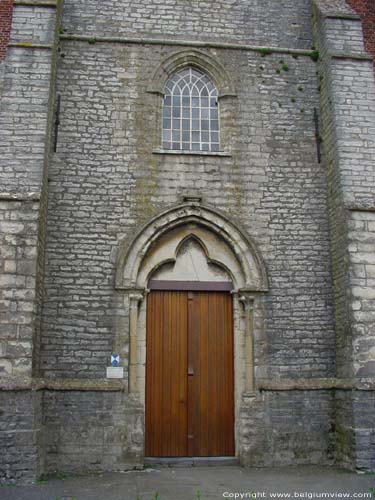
<point x="213" y="420"/>
<point x="191" y="392"/>
<point x="166" y="370"/>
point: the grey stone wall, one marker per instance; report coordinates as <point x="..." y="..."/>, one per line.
<point x="88" y="431"/>
<point x="33" y="23"/>
<point x="20" y="436"/>
<point x="344" y="430"/>
<point x="347" y="97"/>
<point x="26" y="109"/>
<point x="2" y="65"/>
<point x="289" y="428"/>
<point x="105" y="181"/>
<point x="364" y="410"/>
<point x="336" y="212"/>
<point x="260" y="22"/>
<point x="362" y="279"/>
<point x="18" y="238"/>
<point x="25" y="98"/>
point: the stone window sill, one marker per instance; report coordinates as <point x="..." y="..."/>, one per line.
<point x="192" y="153"/>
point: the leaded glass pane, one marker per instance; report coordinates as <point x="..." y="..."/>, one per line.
<point x="195" y="125"/>
<point x="190" y="112"/>
<point x="204" y="114"/>
<point x="167" y="135"/>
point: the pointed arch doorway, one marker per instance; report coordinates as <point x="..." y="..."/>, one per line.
<point x="225" y="251"/>
<point x="189" y="358"/>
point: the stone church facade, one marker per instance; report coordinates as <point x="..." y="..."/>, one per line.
<point x="261" y="189"/>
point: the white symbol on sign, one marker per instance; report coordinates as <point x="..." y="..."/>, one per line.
<point x="115" y="359"/>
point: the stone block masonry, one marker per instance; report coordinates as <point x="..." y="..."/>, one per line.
<point x="292" y="415"/>
<point x="259" y="22"/>
<point x="21" y="457"/>
<point x="25" y="99"/>
<point x="361" y="238"/>
<point x="26" y="110"/>
<point x="348" y="117"/>
<point x="92" y="431"/>
<point x="106" y="181"/>
<point x="18" y="242"/>
<point x="280" y="200"/>
<point x="65" y="216"/>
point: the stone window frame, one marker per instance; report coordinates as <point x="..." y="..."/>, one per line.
<point x="215" y="71"/>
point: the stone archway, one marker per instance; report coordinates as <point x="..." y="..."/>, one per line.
<point x="227" y="250"/>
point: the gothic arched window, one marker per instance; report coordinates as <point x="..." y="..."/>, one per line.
<point x="190" y="112"/>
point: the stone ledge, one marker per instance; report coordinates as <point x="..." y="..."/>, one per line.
<point x="15" y="384"/>
<point x="316" y="384"/>
<point x="355" y="208"/>
<point x="187" y="43"/>
<point x="36" y="3"/>
<point x="192" y="153"/>
<point x="12" y="196"/>
<point x="81" y="385"/>
<point x="341" y="15"/>
<point x="29" y="45"/>
<point x="353" y="56"/>
<point x="39" y="384"/>
<point x="104" y="385"/>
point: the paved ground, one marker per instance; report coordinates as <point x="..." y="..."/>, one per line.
<point x="204" y="483"/>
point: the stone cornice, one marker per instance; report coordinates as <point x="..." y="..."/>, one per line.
<point x="30" y="45"/>
<point x="187" y="43"/>
<point x="36" y="3"/>
<point x="361" y="208"/>
<point x="108" y="385"/>
<point x="58" y="384"/>
<point x="342" y="15"/>
<point x="353" y="56"/>
<point x="316" y="384"/>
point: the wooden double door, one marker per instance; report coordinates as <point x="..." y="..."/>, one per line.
<point x="189" y="374"/>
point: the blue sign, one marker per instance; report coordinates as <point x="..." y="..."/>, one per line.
<point x="115" y="359"/>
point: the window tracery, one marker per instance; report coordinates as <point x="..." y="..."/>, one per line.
<point x="190" y="112"/>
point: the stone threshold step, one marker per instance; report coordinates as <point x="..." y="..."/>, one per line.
<point x="191" y="461"/>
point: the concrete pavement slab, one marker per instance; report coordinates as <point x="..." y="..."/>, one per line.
<point x="202" y="483"/>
